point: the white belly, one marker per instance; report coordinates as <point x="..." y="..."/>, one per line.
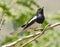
<point x="34" y="26"/>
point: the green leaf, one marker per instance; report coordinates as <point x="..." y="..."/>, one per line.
<point x="44" y="24"/>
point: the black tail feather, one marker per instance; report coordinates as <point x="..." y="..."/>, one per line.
<point x="23" y="25"/>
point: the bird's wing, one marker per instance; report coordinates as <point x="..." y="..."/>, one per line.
<point x="30" y="22"/>
<point x="32" y="19"/>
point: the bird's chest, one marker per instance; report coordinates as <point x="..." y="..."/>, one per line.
<point x="40" y="19"/>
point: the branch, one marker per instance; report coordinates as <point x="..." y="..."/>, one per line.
<point x="45" y="29"/>
<point x="38" y="34"/>
<point x="2" y="19"/>
<point x="42" y="32"/>
<point x="21" y="39"/>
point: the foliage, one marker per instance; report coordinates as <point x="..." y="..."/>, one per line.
<point x="49" y="39"/>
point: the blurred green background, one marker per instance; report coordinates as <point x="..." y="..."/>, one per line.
<point x="18" y="12"/>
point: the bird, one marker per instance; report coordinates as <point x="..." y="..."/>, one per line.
<point x="35" y="21"/>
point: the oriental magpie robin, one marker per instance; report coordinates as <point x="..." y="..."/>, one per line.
<point x="34" y="22"/>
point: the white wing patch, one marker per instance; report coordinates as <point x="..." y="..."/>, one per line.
<point x="33" y="19"/>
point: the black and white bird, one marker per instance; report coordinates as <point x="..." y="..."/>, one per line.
<point x="35" y="21"/>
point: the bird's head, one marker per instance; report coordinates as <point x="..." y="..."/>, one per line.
<point x="40" y="10"/>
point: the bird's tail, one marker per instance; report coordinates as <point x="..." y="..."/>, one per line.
<point x="17" y="31"/>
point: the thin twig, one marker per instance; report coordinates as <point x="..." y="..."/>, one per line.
<point x="2" y="19"/>
<point x="30" y="36"/>
<point x="21" y="39"/>
<point x="46" y="28"/>
<point x="36" y="36"/>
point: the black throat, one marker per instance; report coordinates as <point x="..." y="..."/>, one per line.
<point x="40" y="16"/>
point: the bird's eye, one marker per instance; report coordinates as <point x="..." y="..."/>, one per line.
<point x="40" y="10"/>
